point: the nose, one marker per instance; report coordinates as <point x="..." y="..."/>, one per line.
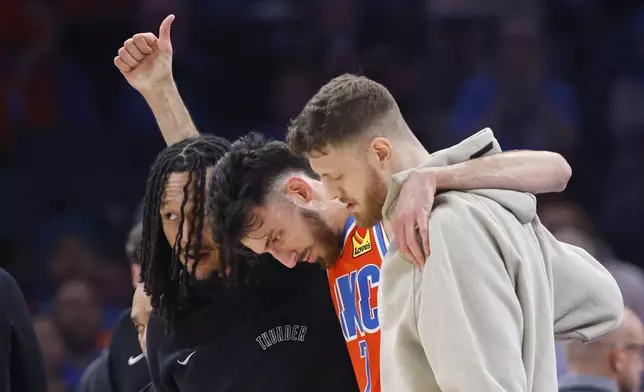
<point x="186" y="229"/>
<point x="287" y="258"/>
<point x="332" y="189"/>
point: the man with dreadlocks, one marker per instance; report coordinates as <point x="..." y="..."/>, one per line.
<point x="227" y="326"/>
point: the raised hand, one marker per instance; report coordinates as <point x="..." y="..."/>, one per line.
<point x="145" y="60"/>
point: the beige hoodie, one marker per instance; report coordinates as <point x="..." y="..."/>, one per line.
<point x="479" y="316"/>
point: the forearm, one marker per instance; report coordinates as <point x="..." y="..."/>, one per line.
<point x="526" y="171"/>
<point x="171" y="113"/>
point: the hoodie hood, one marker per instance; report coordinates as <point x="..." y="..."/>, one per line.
<point x="483" y="143"/>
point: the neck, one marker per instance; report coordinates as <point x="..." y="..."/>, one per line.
<point x="334" y="212"/>
<point x="411" y="155"/>
<point x="335" y="215"/>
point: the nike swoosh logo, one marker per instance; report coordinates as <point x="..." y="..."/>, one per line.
<point x="132" y="360"/>
<point x="185" y="361"/>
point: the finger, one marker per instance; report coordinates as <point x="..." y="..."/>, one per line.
<point x="164" y="30"/>
<point x="150" y="39"/>
<point x="399" y="232"/>
<point x="412" y="242"/>
<point x="401" y="238"/>
<point x="121" y="65"/>
<point x="133" y="50"/>
<point x="127" y="58"/>
<point x="424" y="233"/>
<point x="141" y="44"/>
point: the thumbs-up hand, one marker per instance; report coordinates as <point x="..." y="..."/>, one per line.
<point x="145" y="60"/>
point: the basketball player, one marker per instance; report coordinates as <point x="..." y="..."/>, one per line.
<point x="265" y="197"/>
<point x="536" y="170"/>
<point x="146" y="63"/>
<point x="227" y="326"/>
<point x="122" y="366"/>
<point x="480" y="314"/>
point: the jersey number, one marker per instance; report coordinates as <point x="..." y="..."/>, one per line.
<point x="364" y="353"/>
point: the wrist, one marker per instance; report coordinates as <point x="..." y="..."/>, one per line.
<point x="444" y="177"/>
<point x="159" y="89"/>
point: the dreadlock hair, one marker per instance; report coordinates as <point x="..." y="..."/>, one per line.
<point x="162" y="272"/>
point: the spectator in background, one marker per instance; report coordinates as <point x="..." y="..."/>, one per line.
<point x="53" y="350"/>
<point x="21" y="363"/>
<point x="630" y="280"/>
<point x="627" y="92"/>
<point x="122" y="366"/>
<point x="77" y="315"/>
<point x="524" y="106"/>
<point x="293" y="87"/>
<point x="611" y="363"/>
<point x="570" y="224"/>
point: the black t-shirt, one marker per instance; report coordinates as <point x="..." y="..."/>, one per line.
<point x="128" y="369"/>
<point x="21" y="362"/>
<point x="292" y="343"/>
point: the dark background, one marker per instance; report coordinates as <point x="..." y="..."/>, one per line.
<point x="76" y="141"/>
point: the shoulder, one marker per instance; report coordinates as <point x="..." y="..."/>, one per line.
<point x="7" y="282"/>
<point x="11" y="296"/>
<point x="460" y="223"/>
<point x="124" y="321"/>
<point x="95" y="378"/>
<point x="452" y="209"/>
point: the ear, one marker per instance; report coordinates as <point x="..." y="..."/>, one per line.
<point x="616" y="360"/>
<point x="135" y="273"/>
<point x="299" y="188"/>
<point x="382" y="150"/>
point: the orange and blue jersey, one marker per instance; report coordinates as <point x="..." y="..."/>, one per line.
<point x="354" y="281"/>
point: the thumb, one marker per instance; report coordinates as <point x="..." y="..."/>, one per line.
<point x="165" y="43"/>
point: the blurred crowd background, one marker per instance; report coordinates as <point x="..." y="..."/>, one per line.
<point x="76" y="141"/>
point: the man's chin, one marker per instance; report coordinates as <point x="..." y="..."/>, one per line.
<point x="203" y="272"/>
<point x="365" y="221"/>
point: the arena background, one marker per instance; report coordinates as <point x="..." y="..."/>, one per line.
<point x="76" y="141"/>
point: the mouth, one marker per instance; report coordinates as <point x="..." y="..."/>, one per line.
<point x="350" y="206"/>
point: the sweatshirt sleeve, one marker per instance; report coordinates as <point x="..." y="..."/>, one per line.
<point x="588" y="300"/>
<point x="21" y="362"/>
<point x="468" y="300"/>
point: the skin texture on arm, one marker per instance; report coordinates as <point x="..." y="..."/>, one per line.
<point x="146" y="63"/>
<point x="171" y="113"/>
<point x="526" y="171"/>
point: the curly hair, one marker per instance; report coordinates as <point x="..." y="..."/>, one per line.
<point x="241" y="181"/>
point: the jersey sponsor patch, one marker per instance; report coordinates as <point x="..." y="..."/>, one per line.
<point x="361" y="246"/>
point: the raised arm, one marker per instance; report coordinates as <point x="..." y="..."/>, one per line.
<point x="527" y="171"/>
<point x="146" y="63"/>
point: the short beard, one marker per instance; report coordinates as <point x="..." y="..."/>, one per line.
<point x="374" y="201"/>
<point x="324" y="236"/>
